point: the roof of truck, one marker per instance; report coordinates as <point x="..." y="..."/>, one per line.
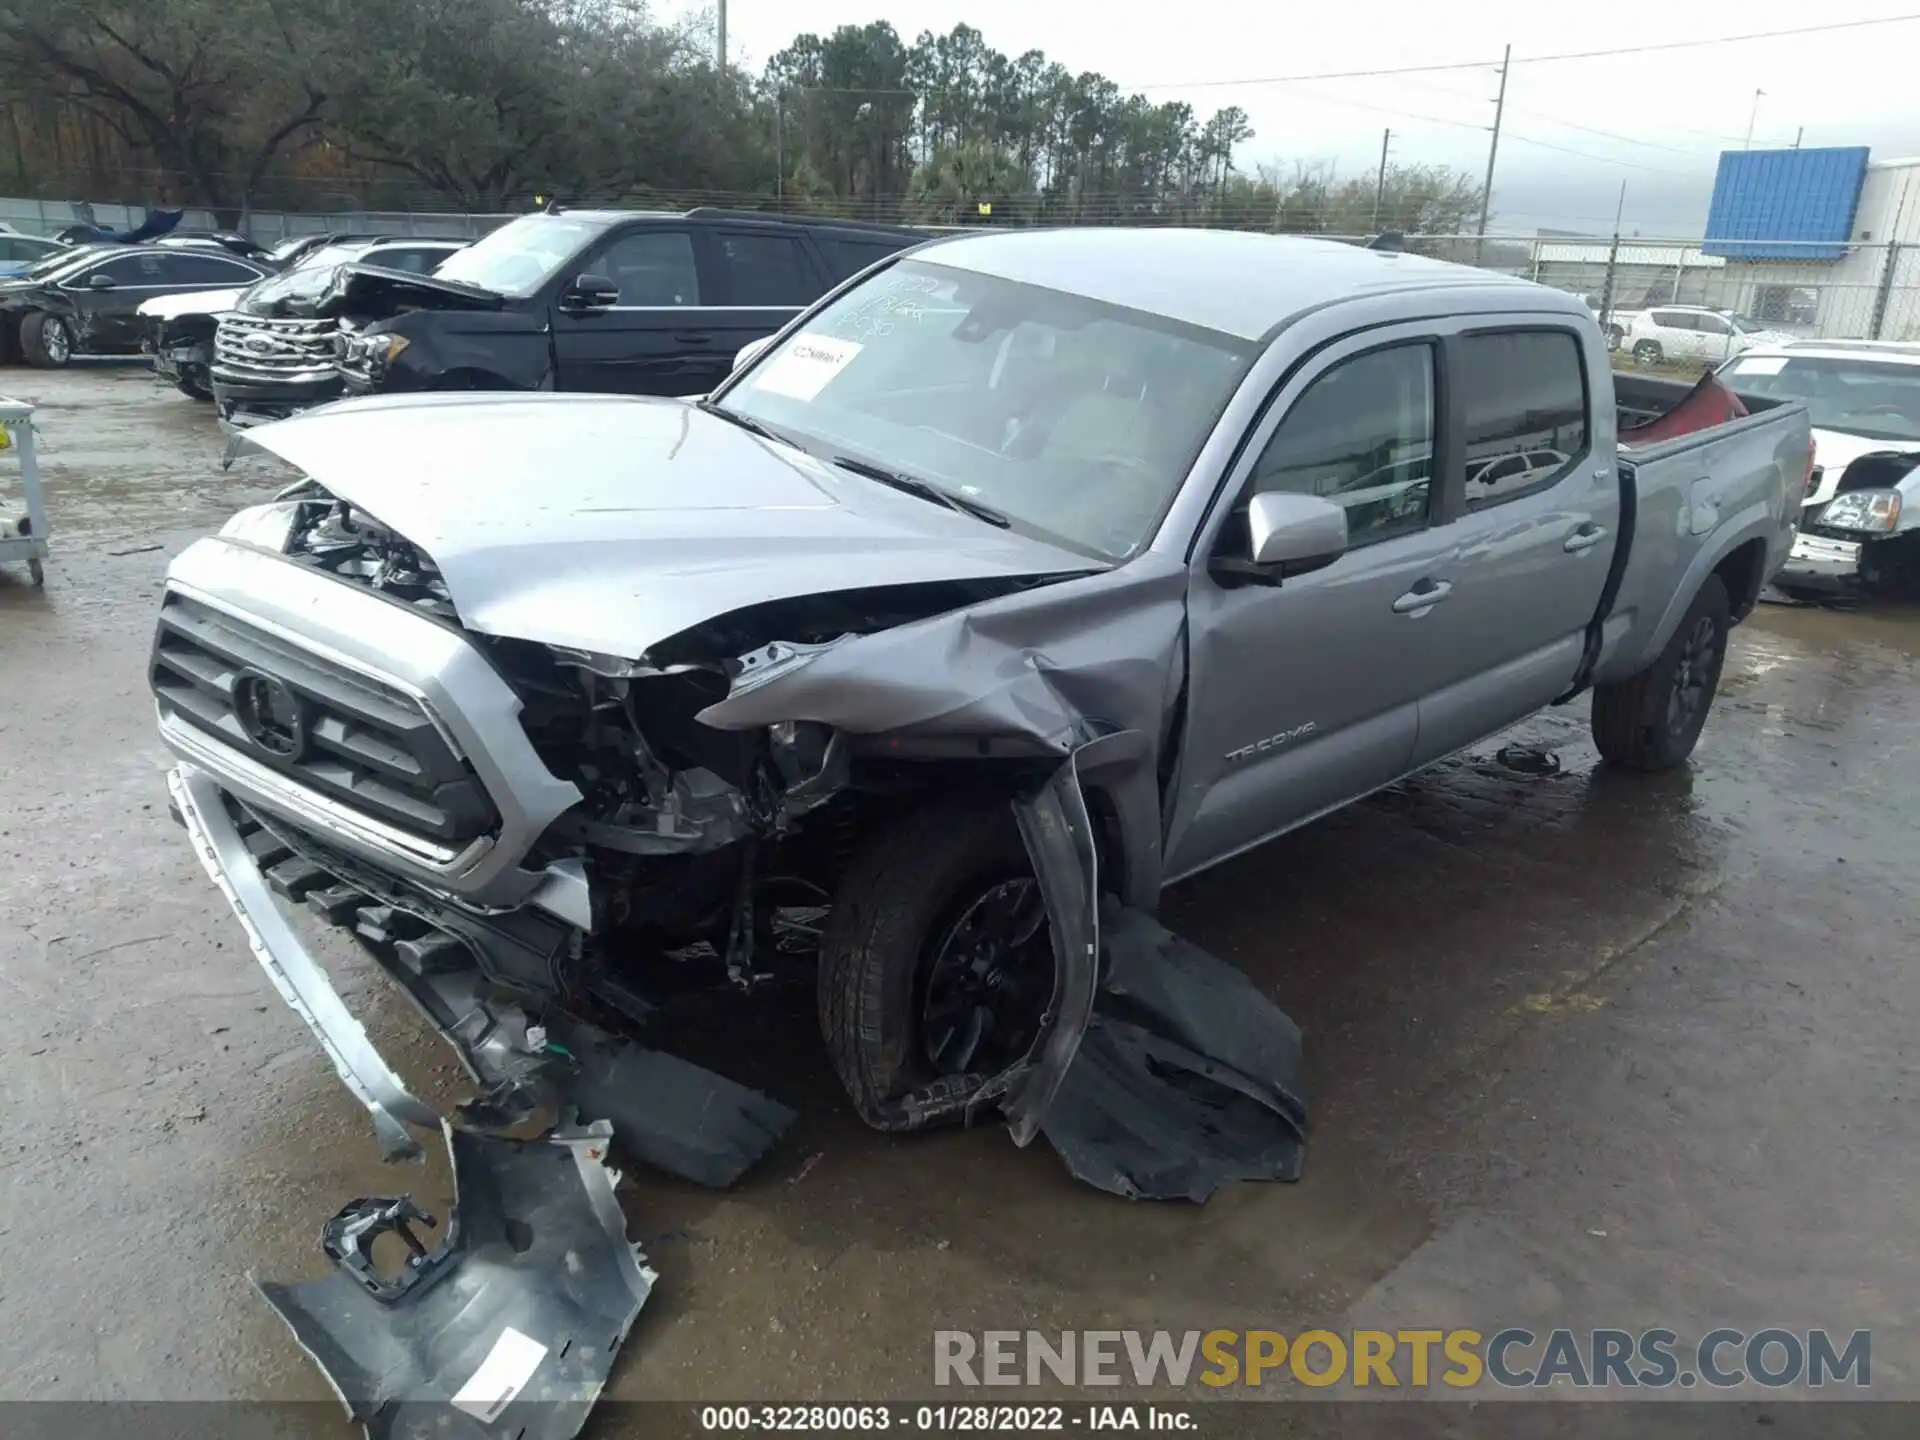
<point x="1232" y="281"/>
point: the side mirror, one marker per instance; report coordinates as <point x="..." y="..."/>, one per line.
<point x="100" y="280"/>
<point x="591" y="292"/>
<point x="1287" y="534"/>
<point x="750" y="352"/>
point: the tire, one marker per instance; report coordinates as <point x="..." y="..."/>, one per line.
<point x="194" y="389"/>
<point x="1647" y="352"/>
<point x="1614" y="336"/>
<point x="46" y="340"/>
<point x="1651" y="721"/>
<point x="906" y="890"/>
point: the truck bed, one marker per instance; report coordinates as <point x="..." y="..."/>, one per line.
<point x="1721" y="497"/>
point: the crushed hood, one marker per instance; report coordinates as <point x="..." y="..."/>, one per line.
<point x="611" y="523"/>
<point x="378" y="292"/>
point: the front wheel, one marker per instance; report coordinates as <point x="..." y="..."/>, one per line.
<point x="46" y="340"/>
<point x="194" y="389"/>
<point x="1651" y="721"/>
<point x="937" y="962"/>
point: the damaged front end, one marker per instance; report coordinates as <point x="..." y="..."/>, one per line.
<point x="550" y="839"/>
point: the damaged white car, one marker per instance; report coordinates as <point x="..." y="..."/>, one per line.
<point x="1021" y="577"/>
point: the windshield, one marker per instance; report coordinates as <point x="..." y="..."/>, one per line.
<point x="519" y="257"/>
<point x="1746" y="324"/>
<point x="1869" y="398"/>
<point x="329" y="255"/>
<point x="286" y="249"/>
<point x="1075" y="419"/>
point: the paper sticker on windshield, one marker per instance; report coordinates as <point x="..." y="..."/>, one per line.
<point x="1761" y="365"/>
<point x="803" y="369"/>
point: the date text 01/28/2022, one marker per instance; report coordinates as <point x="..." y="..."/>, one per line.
<point x="943" y="1418"/>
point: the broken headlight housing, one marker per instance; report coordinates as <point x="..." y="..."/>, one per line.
<point x="1873" y="511"/>
<point x="374" y="352"/>
<point x="267" y="526"/>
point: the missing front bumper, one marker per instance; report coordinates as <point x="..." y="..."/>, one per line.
<point x="666" y="1111"/>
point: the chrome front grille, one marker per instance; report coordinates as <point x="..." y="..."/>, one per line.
<point x="331" y="730"/>
<point x="259" y="347"/>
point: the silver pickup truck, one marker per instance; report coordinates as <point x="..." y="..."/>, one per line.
<point x="1021" y="577"/>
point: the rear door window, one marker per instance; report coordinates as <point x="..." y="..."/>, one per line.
<point x="207" y="270"/>
<point x="1525" y="398"/>
<point x="768" y="269"/>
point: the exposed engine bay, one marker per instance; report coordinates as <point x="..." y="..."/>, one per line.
<point x="691" y="837"/>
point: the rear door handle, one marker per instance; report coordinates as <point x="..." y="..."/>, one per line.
<point x="1423" y="597"/>
<point x="1585" y="538"/>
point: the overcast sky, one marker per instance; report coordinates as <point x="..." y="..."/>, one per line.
<point x="1666" y="114"/>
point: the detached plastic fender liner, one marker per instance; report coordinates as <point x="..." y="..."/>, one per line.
<point x="1058" y="832"/>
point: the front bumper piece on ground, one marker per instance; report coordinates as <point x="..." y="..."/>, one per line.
<point x="516" y="1337"/>
<point x="510" y="1326"/>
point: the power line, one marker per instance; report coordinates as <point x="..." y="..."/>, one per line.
<point x="1721" y="39"/>
<point x="1599" y="159"/>
<point x="1530" y="59"/>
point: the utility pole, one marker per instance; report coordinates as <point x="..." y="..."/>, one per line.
<point x="1493" y="150"/>
<point x="720" y="30"/>
<point x="1613" y="266"/>
<point x="1753" y="115"/>
<point x="1380" y="185"/>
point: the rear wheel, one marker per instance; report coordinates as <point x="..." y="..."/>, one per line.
<point x="937" y="962"/>
<point x="46" y="340"/>
<point x="1647" y="352"/>
<point x="1651" y="721"/>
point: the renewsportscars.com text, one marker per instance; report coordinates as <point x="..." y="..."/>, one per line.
<point x="1511" y="1358"/>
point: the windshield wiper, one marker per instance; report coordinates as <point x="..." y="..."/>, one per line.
<point x="745" y="422"/>
<point x="926" y="490"/>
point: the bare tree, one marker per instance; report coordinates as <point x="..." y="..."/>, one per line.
<point x="215" y="91"/>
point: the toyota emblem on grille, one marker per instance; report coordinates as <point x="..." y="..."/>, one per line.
<point x="270" y="715"/>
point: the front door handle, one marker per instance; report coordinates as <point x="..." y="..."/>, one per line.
<point x="692" y="337"/>
<point x="1423" y="597"/>
<point x="1585" y="538"/>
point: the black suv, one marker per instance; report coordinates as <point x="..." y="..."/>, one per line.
<point x="610" y="300"/>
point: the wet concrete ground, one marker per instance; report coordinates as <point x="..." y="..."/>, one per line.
<point x="1584" y="1048"/>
